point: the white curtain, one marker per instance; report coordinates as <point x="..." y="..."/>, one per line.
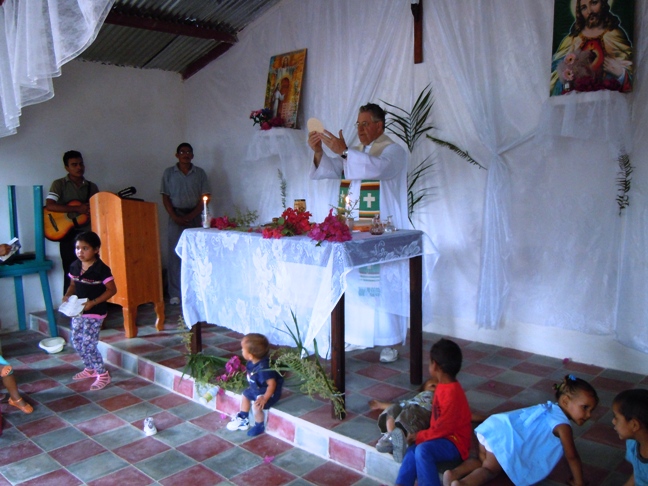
<point x="36" y="38"/>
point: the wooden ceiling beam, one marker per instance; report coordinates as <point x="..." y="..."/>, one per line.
<point x="200" y="63"/>
<point x="159" y="25"/>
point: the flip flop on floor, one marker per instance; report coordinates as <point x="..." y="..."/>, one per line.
<point x="22" y="405"/>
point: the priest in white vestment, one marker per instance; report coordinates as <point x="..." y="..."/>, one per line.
<point x="377" y="158"/>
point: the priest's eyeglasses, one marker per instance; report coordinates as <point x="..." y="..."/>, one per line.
<point x="364" y="124"/>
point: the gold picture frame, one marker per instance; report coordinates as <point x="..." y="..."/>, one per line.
<point x="284" y="86"/>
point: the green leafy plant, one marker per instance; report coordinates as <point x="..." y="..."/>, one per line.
<point x="245" y="218"/>
<point x="282" y="187"/>
<point x="623" y="181"/>
<point x="300" y="369"/>
<point x="410" y="126"/>
<point x="306" y="371"/>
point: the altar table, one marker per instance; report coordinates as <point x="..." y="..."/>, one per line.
<point x="246" y="283"/>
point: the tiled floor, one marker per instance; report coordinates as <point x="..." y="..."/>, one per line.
<point x="81" y="437"/>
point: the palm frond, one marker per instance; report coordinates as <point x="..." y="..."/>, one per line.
<point x="624" y="181"/>
<point x="461" y="153"/>
<point x="409" y="126"/>
<point x="282" y="187"/>
<point x="307" y="371"/>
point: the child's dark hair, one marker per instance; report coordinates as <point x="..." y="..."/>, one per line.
<point x="633" y="405"/>
<point x="256" y="344"/>
<point x="447" y="355"/>
<point x="89" y="237"/>
<point x="571" y="385"/>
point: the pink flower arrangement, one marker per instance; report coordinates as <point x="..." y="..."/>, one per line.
<point x="222" y="223"/>
<point x="234" y="365"/>
<point x="265" y="119"/>
<point x="291" y="223"/>
<point x="234" y="376"/>
<point x="331" y="229"/>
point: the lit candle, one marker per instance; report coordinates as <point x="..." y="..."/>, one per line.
<point x="348" y="204"/>
<point x="205" y="205"/>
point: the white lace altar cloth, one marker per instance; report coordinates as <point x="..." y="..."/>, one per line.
<point x="246" y="283"/>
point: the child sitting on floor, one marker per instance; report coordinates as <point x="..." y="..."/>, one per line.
<point x="407" y="417"/>
<point x="630" y="408"/>
<point x="403" y="417"/>
<point x="450" y="431"/>
<point x="265" y="384"/>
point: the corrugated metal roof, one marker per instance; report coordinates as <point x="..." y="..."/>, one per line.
<point x="180" y="36"/>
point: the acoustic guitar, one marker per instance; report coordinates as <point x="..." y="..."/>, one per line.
<point x="57" y="225"/>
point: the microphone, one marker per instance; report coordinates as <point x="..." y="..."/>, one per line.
<point x="127" y="192"/>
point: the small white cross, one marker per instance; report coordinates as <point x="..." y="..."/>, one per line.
<point x="369" y="199"/>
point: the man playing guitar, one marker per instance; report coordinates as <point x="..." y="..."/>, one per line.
<point x="70" y="195"/>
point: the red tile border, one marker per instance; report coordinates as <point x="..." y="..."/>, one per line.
<point x="347" y="454"/>
<point x="146" y="370"/>
<point x="184" y="386"/>
<point x="281" y="427"/>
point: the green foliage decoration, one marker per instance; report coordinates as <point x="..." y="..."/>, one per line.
<point x="410" y="126"/>
<point x="623" y="181"/>
<point x="300" y="370"/>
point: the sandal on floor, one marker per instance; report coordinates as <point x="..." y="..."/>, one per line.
<point x="102" y="380"/>
<point x="86" y="373"/>
<point x="5" y="371"/>
<point x="22" y="405"/>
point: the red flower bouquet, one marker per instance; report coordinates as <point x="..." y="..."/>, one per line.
<point x="265" y="119"/>
<point x="291" y="223"/>
<point x="331" y="229"/>
<point x="222" y="223"/>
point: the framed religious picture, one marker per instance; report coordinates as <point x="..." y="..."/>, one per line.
<point x="284" y="86"/>
<point x="592" y="46"/>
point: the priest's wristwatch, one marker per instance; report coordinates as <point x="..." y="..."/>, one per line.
<point x="345" y="153"/>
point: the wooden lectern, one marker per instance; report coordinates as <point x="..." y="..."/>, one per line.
<point x="130" y="246"/>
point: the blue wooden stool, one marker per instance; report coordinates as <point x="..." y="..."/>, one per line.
<point x="17" y="267"/>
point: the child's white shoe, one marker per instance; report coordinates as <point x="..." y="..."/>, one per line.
<point x="149" y="427"/>
<point x="238" y="423"/>
<point x="384" y="444"/>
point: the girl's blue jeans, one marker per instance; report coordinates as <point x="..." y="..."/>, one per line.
<point x="420" y="462"/>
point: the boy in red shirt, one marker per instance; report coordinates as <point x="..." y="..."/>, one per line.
<point x="448" y="437"/>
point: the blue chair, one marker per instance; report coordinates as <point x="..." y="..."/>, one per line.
<point x="21" y="265"/>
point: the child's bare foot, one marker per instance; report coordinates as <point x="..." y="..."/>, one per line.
<point x="377" y="405"/>
<point x="448" y="478"/>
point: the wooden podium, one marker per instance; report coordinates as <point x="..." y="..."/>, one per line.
<point x="130" y="246"/>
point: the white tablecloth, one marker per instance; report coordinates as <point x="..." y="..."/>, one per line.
<point x="250" y="284"/>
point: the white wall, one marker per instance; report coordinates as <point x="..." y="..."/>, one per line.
<point x="126" y="123"/>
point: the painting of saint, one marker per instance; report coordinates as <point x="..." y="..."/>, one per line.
<point x="592" y="46"/>
<point x="283" y="89"/>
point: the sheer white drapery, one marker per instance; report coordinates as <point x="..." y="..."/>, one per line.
<point x="482" y="63"/>
<point x="36" y="38"/>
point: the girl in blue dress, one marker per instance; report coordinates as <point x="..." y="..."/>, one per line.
<point x="528" y="443"/>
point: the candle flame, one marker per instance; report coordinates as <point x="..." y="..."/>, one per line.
<point x="205" y="198"/>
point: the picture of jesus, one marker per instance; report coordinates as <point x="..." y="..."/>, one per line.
<point x="596" y="51"/>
